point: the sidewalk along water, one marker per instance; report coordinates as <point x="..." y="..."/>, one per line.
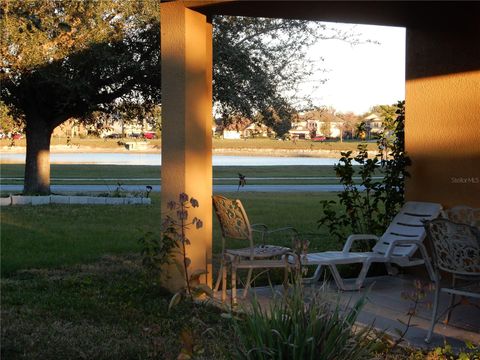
<point x="216" y="188"/>
<point x="156" y="160"/>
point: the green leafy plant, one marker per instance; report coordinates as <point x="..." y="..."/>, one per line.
<point x="174" y="229"/>
<point x="471" y="352"/>
<point x="447" y="352"/>
<point x="157" y="253"/>
<point x="298" y="326"/>
<point x="368" y="206"/>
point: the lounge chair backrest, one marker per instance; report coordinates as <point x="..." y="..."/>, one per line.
<point x="408" y="224"/>
<point x="232" y="217"/>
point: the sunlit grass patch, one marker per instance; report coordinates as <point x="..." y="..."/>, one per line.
<point x="55" y="235"/>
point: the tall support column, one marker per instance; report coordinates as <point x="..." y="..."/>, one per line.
<point x="442" y="122"/>
<point x="186" y="38"/>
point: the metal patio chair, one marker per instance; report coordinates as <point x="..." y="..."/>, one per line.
<point x="234" y="224"/>
<point x="463" y="214"/>
<point x="456" y="251"/>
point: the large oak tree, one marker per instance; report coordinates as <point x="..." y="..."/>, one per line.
<point x="63" y="59"/>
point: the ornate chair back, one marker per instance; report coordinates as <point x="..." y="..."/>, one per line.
<point x="232" y="218"/>
<point x="456" y="246"/>
<point x="463" y="214"/>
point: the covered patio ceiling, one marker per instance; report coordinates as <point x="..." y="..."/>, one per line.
<point x="387" y="13"/>
<point x="448" y="16"/>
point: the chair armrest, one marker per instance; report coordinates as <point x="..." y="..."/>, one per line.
<point x="263" y="230"/>
<point x="356" y="237"/>
<point x="266" y="232"/>
<point x="394" y="243"/>
<point x="288" y="228"/>
<point x="256" y="226"/>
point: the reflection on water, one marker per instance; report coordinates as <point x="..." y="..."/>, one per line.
<point x="155" y="159"/>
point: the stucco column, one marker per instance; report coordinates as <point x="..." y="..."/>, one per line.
<point x="443" y="115"/>
<point x="186" y="38"/>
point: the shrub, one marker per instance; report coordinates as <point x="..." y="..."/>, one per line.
<point x="299" y="327"/>
<point x="371" y="210"/>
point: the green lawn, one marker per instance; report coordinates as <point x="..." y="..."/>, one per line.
<point x="130" y="174"/>
<point x="72" y="285"/>
<point x="110" y="309"/>
<point x="57" y="235"/>
<point x="105" y="310"/>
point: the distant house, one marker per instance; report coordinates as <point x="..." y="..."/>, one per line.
<point x="71" y="128"/>
<point x="300" y="130"/>
<point x="316" y="124"/>
<point x="373" y="123"/>
<point x="125" y="128"/>
<point x="245" y="128"/>
<point x="231" y="134"/>
<point x="257" y="130"/>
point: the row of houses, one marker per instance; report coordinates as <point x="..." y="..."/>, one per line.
<point x="306" y="127"/>
<point x="75" y="128"/>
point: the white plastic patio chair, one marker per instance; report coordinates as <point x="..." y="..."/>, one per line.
<point x="397" y="245"/>
<point x="234" y="224"/>
<point x="456" y="251"/>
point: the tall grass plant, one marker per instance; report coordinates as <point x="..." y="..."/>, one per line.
<point x="301" y="326"/>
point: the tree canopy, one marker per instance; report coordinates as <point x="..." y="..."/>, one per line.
<point x="259" y="65"/>
<point x="70" y="58"/>
<point x="63" y="59"/>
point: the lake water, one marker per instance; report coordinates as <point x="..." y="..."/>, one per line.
<point x="155" y="159"/>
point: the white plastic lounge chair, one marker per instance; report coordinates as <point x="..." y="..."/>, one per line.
<point x="456" y="251"/>
<point x="235" y="225"/>
<point x="397" y="245"/>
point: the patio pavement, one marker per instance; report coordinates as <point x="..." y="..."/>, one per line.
<point x="385" y="305"/>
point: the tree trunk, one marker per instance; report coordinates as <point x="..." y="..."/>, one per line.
<point x="37" y="164"/>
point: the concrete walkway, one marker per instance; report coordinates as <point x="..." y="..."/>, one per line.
<point x="386" y="304"/>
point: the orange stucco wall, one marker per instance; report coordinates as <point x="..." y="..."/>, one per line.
<point x="443" y="116"/>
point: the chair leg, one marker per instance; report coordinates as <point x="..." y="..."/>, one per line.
<point x="358" y="281"/>
<point x="224" y="282"/>
<point x="285" y="275"/>
<point x="315" y="277"/>
<point x="363" y="274"/>
<point x="247" y="284"/>
<point x="220" y="274"/>
<point x="234" y="284"/>
<point x="427" y="262"/>
<point x="452" y="301"/>
<point x="434" y="312"/>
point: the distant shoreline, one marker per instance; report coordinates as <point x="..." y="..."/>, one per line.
<point x="320" y="153"/>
